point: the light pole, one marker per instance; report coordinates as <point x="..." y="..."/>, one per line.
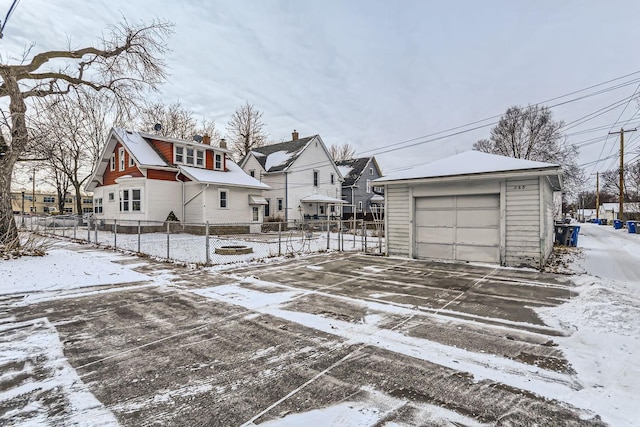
<point x="33" y="192"/>
<point x="22" y="211"/>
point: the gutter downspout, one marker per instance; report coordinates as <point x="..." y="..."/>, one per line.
<point x="183" y="203"/>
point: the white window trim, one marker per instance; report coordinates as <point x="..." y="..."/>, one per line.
<point x="175" y="154"/>
<point x="220" y="191"/>
<point x="131" y="162"/>
<point x="368" y="189"/>
<point x="130" y="200"/>
<point x="333" y="179"/>
<point x="316" y="178"/>
<point x="254" y="210"/>
<point x="280" y="204"/>
<point x="113" y="162"/>
<point x="97" y="205"/>
<point x="371" y="171"/>
<point x="200" y="156"/>
<point x="120" y="159"/>
<point x="215" y="161"/>
<point x="360" y="206"/>
<point x="111" y="197"/>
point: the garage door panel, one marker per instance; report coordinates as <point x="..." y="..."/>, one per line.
<point x="431" y="250"/>
<point x="477" y="253"/>
<point x="435" y="202"/>
<point x="479" y="201"/>
<point x="435" y="235"/>
<point x="464" y="228"/>
<point x="435" y="218"/>
<point x="478" y="218"/>
<point x="477" y="236"/>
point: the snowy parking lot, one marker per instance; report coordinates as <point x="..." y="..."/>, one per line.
<point x="99" y="338"/>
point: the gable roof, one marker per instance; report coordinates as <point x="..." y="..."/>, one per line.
<point x="353" y="169"/>
<point x="139" y="146"/>
<point x="615" y="207"/>
<point x="234" y="176"/>
<point x="278" y="157"/>
<point x="470" y="163"/>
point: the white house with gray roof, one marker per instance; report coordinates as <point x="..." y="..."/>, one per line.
<point x="475" y="207"/>
<point x="305" y="182"/>
<point x="362" y="198"/>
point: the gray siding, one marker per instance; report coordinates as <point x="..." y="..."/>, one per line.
<point x="360" y="191"/>
<point x="398" y="217"/>
<point x="523" y="222"/>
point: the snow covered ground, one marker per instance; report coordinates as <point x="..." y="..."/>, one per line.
<point x="599" y="325"/>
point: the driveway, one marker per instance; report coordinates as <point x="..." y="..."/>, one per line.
<point x="332" y="339"/>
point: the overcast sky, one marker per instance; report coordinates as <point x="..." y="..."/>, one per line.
<point x="374" y="73"/>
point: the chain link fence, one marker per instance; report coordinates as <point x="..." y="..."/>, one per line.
<point x="213" y="243"/>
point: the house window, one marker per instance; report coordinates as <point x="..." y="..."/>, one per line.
<point x="113" y="162"/>
<point x="86" y="201"/>
<point x="121" y="159"/>
<point x="218" y="161"/>
<point x="125" y="199"/>
<point x="189" y="156"/>
<point x="130" y="160"/>
<point x="252" y="172"/>
<point x="112" y="196"/>
<point x="267" y="208"/>
<point x="224" y="199"/>
<point x="360" y="206"/>
<point x="371" y="171"/>
<point x="97" y="205"/>
<point x="199" y="158"/>
<point x="179" y="154"/>
<point x="68" y="200"/>
<point x="368" y="186"/>
<point x="332" y="208"/>
<point x="256" y="213"/>
<point x="280" y="205"/>
<point x="49" y="199"/>
<point x="67" y="210"/>
<point x="315" y="178"/>
<point x="87" y="210"/>
<point x="321" y="209"/>
<point x="332" y="179"/>
<point x="33" y="209"/>
<point x="136" y="202"/>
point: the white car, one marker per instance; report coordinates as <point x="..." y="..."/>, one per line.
<point x="59" y="221"/>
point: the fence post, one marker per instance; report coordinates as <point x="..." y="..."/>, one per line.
<point x="168" y="233"/>
<point x="354" y="231"/>
<point x="95" y="232"/>
<point x="328" y="235"/>
<point x="89" y="231"/>
<point x="115" y="234"/>
<point x="75" y="228"/>
<point x="279" y="239"/>
<point x="139" y="236"/>
<point x="208" y="255"/>
<point x="364" y="233"/>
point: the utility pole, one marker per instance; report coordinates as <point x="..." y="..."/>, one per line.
<point x="597" y="195"/>
<point x="621" y="198"/>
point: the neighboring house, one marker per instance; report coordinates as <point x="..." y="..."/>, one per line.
<point x="304" y="180"/>
<point x="360" y="196"/>
<point x="473" y="207"/>
<point x="47" y="203"/>
<point x="610" y="211"/>
<point x="141" y="176"/>
<point x="586" y="215"/>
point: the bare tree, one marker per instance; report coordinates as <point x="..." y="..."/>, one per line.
<point x="125" y="65"/>
<point x="611" y="182"/>
<point x="341" y="152"/>
<point x="532" y="133"/>
<point x="176" y="120"/>
<point x="244" y="130"/>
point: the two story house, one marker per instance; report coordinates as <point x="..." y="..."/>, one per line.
<point x="303" y="179"/>
<point x="142" y="176"/>
<point x="360" y="196"/>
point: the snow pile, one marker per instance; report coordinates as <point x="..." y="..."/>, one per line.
<point x="603" y="346"/>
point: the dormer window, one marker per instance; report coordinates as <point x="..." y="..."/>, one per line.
<point x="121" y="159"/>
<point x="218" y="161"/>
<point x="370" y="171"/>
<point x="188" y="156"/>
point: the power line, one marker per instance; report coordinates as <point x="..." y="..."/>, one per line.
<point x="6" y="18"/>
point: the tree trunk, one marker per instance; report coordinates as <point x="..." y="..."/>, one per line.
<point x="8" y="228"/>
<point x="76" y="186"/>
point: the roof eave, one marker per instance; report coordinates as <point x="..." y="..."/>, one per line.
<point x="555" y="170"/>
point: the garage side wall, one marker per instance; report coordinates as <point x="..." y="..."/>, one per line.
<point x="523" y="223"/>
<point x="398" y="220"/>
<point x="548" y="224"/>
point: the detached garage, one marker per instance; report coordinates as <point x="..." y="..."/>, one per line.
<point x="474" y="207"/>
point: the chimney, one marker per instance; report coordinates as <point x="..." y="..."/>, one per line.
<point x="223" y="143"/>
<point x="294" y="135"/>
<point x="206" y="139"/>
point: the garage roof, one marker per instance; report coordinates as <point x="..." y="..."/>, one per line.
<point x="469" y="163"/>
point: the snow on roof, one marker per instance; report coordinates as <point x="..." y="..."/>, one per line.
<point x="276" y="159"/>
<point x="234" y="176"/>
<point x="319" y="198"/>
<point x="467" y="163"/>
<point x="139" y="148"/>
<point x="615" y="207"/>
<point x="345" y="170"/>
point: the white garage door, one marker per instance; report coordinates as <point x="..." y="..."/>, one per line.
<point x="462" y="228"/>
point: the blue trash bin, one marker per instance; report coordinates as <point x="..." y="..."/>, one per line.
<point x="574" y="236"/>
<point x="631" y="226"/>
<point x="617" y="224"/>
